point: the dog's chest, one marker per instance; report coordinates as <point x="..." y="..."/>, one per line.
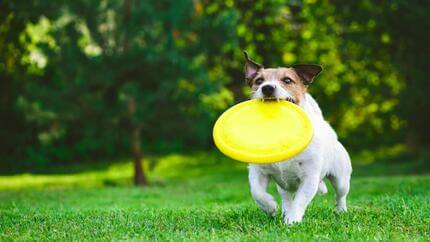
<point x="287" y="174"/>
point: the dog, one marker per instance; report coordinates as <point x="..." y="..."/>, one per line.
<point x="324" y="157"/>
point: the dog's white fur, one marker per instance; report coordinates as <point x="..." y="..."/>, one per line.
<point x="303" y="174"/>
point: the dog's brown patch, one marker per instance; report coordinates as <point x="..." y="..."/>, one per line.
<point x="296" y="87"/>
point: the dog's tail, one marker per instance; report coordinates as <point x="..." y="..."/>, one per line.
<point x="322" y="188"/>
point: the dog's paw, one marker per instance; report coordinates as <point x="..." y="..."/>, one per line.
<point x="341" y="205"/>
<point x="341" y="209"/>
<point x="270" y="208"/>
<point x="292" y="217"/>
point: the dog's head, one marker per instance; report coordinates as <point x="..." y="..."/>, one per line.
<point x="279" y="83"/>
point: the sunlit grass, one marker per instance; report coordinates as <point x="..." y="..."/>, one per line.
<point x="116" y="172"/>
<point x="166" y="167"/>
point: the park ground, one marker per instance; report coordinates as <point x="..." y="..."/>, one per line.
<point x="199" y="197"/>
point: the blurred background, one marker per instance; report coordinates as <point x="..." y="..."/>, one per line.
<point x="87" y="84"/>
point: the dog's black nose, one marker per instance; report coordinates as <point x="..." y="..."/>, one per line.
<point x="268" y="90"/>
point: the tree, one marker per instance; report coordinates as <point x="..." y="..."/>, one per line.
<point x="111" y="71"/>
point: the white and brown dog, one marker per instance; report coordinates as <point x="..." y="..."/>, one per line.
<point x="303" y="174"/>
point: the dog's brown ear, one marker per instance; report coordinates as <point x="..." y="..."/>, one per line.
<point x="307" y="72"/>
<point x="251" y="68"/>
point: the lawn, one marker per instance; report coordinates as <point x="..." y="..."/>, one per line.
<point x="203" y="197"/>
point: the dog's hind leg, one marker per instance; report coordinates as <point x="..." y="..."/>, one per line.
<point x="258" y="183"/>
<point x="340" y="177"/>
<point x="341" y="186"/>
<point x="322" y="188"/>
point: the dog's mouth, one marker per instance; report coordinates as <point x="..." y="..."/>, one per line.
<point x="273" y="99"/>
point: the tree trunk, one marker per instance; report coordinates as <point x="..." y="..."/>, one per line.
<point x="139" y="174"/>
<point x="412" y="141"/>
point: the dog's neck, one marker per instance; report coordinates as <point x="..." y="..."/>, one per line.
<point x="311" y="107"/>
<point x="303" y="102"/>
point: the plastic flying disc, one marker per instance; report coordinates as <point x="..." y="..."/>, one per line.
<point x="262" y="132"/>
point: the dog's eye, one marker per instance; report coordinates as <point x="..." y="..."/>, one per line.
<point x="259" y="81"/>
<point x="287" y="80"/>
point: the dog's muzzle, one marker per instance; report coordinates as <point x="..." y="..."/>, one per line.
<point x="269" y="94"/>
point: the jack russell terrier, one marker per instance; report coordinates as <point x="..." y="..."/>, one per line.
<point x="303" y="174"/>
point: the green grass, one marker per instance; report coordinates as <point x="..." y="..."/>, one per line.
<point x="202" y="197"/>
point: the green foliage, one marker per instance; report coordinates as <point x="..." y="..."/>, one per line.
<point x="87" y="63"/>
<point x="204" y="201"/>
<point x="69" y="71"/>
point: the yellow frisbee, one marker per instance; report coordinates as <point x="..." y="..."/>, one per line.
<point x="263" y="132"/>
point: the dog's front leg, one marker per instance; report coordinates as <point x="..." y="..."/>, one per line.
<point x="304" y="196"/>
<point x="258" y="182"/>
